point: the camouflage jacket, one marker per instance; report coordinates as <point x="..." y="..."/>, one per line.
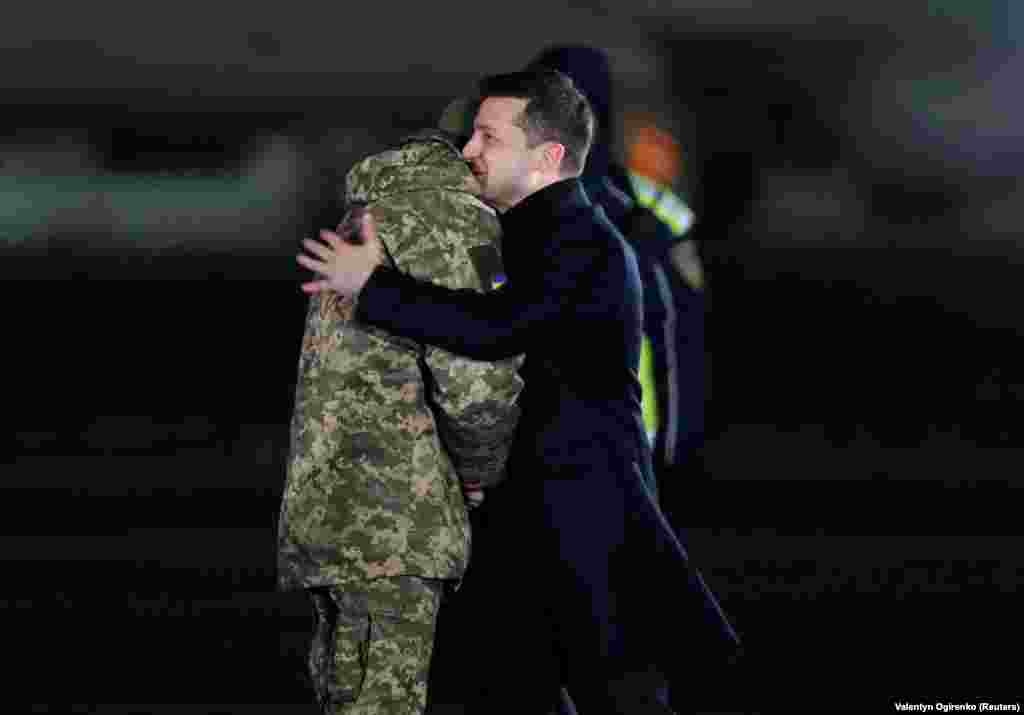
<point x="383" y="428"/>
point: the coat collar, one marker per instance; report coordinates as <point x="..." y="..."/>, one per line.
<point x="541" y="207"/>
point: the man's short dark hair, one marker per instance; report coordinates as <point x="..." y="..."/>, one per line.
<point x="556" y="111"/>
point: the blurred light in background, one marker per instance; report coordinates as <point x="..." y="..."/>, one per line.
<point x="252" y="206"/>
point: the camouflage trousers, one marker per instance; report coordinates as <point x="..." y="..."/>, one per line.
<point x="370" y="653"/>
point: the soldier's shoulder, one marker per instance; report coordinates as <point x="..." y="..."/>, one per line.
<point x="425" y="160"/>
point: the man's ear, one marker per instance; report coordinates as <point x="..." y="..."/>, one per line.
<point x="553" y="157"/>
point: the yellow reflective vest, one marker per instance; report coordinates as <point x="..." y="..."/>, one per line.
<point x="673" y="212"/>
<point x="668" y="207"/>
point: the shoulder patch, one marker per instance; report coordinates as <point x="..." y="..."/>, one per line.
<point x="487" y="262"/>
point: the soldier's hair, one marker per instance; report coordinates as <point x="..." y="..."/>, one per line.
<point x="556" y="111"/>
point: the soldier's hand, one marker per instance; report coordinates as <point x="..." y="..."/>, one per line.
<point x="344" y="265"/>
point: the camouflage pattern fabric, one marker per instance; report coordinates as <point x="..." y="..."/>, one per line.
<point x="372" y="646"/>
<point x="383" y="428"/>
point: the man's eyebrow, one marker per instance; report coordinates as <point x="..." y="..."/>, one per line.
<point x="484" y="125"/>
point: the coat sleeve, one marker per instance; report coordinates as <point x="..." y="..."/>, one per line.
<point x="431" y="234"/>
<point x="489" y="326"/>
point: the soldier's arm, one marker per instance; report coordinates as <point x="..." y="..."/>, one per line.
<point x="474" y="401"/>
<point x="476" y="413"/>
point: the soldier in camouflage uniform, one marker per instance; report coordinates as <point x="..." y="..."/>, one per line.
<point x="373" y="521"/>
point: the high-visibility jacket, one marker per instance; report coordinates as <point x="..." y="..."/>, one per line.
<point x="671" y="210"/>
<point x="665" y="204"/>
<point x="671" y="361"/>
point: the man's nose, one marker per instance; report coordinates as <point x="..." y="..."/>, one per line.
<point x="469" y="151"/>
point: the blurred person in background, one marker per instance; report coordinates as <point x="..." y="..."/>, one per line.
<point x="656" y="222"/>
<point x="389" y="437"/>
<point x="583" y="536"/>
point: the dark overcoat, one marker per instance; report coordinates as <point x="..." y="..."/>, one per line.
<point x="584" y="532"/>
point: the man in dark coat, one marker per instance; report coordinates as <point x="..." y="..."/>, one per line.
<point x="673" y="308"/>
<point x="594" y="570"/>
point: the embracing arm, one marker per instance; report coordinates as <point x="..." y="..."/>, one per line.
<point x="491" y="326"/>
<point x="488" y="326"/>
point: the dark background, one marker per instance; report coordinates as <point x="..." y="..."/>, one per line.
<point x="856" y="174"/>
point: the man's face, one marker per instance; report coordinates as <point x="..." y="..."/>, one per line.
<point x="498" y="155"/>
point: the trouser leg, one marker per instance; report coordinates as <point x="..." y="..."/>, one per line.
<point x="372" y="646"/>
